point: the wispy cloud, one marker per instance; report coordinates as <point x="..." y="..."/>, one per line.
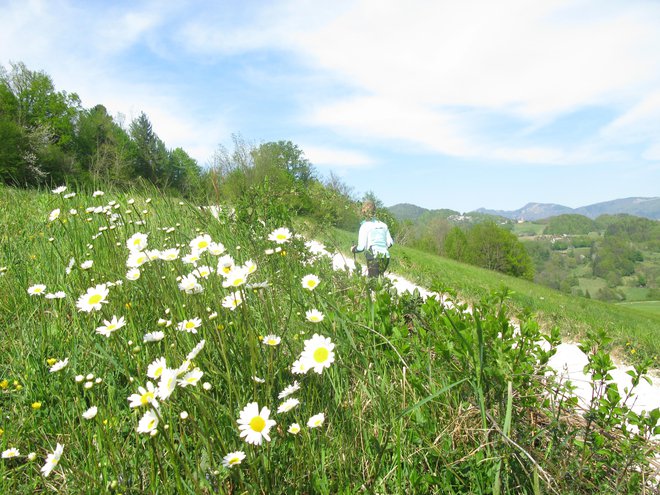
<point x="418" y="75"/>
<point x="337" y="158"/>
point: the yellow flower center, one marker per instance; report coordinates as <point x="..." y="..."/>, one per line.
<point x="158" y="371"/>
<point x="136" y="242"/>
<point x="238" y="282"/>
<point x="190" y="324"/>
<point x="111" y="327"/>
<point x="311" y="284"/>
<point x="151" y="424"/>
<point x="321" y="355"/>
<point x="146" y="398"/>
<point x="257" y="424"/>
<point x="234" y="460"/>
<point x="95" y="299"/>
<point x="202" y="244"/>
<point x="281" y="237"/>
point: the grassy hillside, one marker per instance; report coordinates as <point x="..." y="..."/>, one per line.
<point x="630" y="329"/>
<point x="149" y="347"/>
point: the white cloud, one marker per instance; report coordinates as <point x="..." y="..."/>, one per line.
<point x="418" y="73"/>
<point x="426" y="66"/>
<point x="339" y="158"/>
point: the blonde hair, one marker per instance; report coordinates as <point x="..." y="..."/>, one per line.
<point x="368" y="208"/>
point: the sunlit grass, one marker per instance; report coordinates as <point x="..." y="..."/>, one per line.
<point x="242" y="363"/>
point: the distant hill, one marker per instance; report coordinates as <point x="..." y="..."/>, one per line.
<point x="407" y="211"/>
<point x="641" y="207"/>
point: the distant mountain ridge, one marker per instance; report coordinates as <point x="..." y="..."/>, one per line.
<point x="641" y="207"/>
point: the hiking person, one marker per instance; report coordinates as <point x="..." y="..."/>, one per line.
<point x="374" y="239"/>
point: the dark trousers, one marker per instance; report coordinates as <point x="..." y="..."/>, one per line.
<point x="376" y="265"/>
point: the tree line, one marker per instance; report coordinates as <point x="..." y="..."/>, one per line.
<point x="47" y="138"/>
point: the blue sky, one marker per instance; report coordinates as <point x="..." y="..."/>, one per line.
<point x="441" y="104"/>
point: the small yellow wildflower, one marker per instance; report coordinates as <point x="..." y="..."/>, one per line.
<point x="4" y="384"/>
<point x="51" y="361"/>
<point x="36" y="405"/>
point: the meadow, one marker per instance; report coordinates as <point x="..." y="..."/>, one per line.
<point x="150" y="346"/>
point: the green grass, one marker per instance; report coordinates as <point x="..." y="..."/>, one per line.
<point x="417" y="398"/>
<point x="647" y="307"/>
<point x="528" y="229"/>
<point x="573" y="315"/>
<point x="593" y="285"/>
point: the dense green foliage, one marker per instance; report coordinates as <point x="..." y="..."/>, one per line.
<point x="489" y="246"/>
<point x="422" y="396"/>
<point x="569" y="224"/>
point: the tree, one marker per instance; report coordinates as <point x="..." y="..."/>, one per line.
<point x="42" y="126"/>
<point x="150" y="158"/>
<point x="456" y="244"/>
<point x="489" y="246"/>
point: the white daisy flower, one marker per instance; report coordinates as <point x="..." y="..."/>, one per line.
<point x="225" y="264"/>
<point x="136" y="259"/>
<point x="133" y="274"/>
<point x="202" y="271"/>
<point x="233" y="459"/>
<point x="59" y="190"/>
<point x="170" y="254"/>
<point x="191" y="378"/>
<point x="37" y="290"/>
<point x="216" y="248"/>
<point x="156" y="368"/>
<point x="255" y="425"/>
<point x="201" y="243"/>
<point x="144" y="397"/>
<point x="236" y="277"/>
<point x="196" y="350"/>
<point x="86" y="265"/>
<point x="316" y="420"/>
<point x="110" y="326"/>
<point x="54" y="215"/>
<point x="191" y="259"/>
<point x="56" y="295"/>
<point x="250" y="266"/>
<point x="9" y="453"/>
<point x="280" y="235"/>
<point x="96" y="194"/>
<point x="294" y="429"/>
<point x="271" y="340"/>
<point x="59" y="365"/>
<point x="153" y="337"/>
<point x="167" y="383"/>
<point x="162" y="322"/>
<point x="300" y="367"/>
<point x="93" y="298"/>
<point x="287" y="405"/>
<point x="137" y="242"/>
<point x="314" y="315"/>
<point x="232" y="301"/>
<point x="190" y="285"/>
<point x="318" y="353"/>
<point x="90" y="413"/>
<point x="310" y="282"/>
<point x="148" y="423"/>
<point x="289" y="390"/>
<point x="189" y="326"/>
<point x="52" y="460"/>
<point x="69" y="195"/>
